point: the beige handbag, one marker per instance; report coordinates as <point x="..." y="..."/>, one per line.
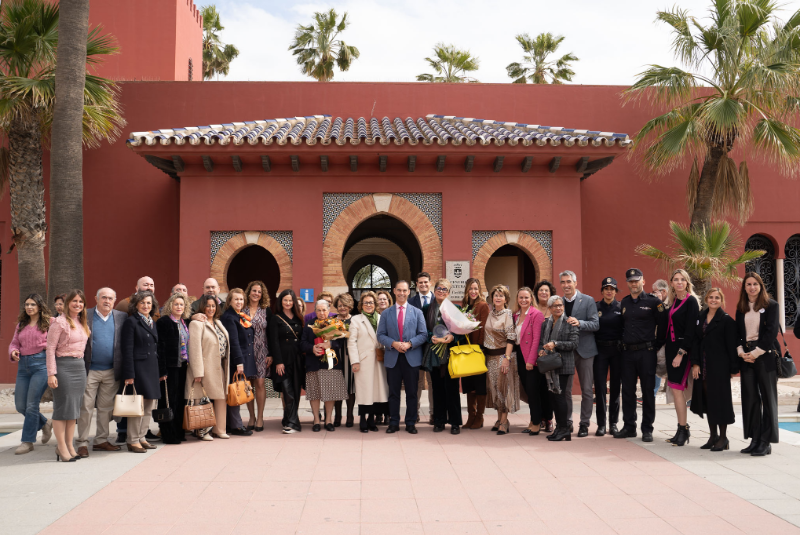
<point x="129" y="406"/>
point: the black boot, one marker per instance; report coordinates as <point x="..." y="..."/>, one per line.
<point x="682" y="437"/>
<point x="711" y="441"/>
<point x="763" y="448"/>
<point x="753" y="445"/>
<point x="561" y="433"/>
<point x="337" y="413"/>
<point x="362" y="424"/>
<point x="672" y="440"/>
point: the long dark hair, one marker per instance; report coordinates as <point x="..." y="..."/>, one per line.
<point x="44" y="314"/>
<point x="138" y="297"/>
<point x="466" y="301"/>
<point x="762" y="301"/>
<point x="204" y="299"/>
<point x="295" y="304"/>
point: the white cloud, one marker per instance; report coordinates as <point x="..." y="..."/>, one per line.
<point x="614" y="40"/>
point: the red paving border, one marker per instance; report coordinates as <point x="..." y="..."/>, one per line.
<point x="353" y="483"/>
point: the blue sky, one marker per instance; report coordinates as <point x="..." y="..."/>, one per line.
<point x="613" y="39"/>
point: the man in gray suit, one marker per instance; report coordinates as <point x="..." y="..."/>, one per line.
<point x="103" y="360"/>
<point x="581" y="311"/>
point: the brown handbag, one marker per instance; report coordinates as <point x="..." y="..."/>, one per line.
<point x="200" y="415"/>
<point x="379" y="352"/>
<point x="239" y="391"/>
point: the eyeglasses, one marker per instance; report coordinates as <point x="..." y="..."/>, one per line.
<point x="440" y="289"/>
<point x="557" y="306"/>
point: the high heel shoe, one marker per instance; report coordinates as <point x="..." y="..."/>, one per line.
<point x="753" y="445"/>
<point x="764" y="448"/>
<point x="710" y="444"/>
<point x="61" y="459"/>
<point x="502" y="429"/>
<point x="682" y="437"/>
<point x="561" y="433"/>
<point x="720" y="445"/>
<point x="496" y="425"/>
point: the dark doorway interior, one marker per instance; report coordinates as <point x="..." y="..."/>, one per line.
<point x="254" y="263"/>
<point x="525" y="270"/>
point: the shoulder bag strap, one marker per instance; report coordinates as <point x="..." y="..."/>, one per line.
<point x="287" y="324"/>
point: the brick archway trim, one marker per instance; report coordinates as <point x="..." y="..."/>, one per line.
<point x="332" y="250"/>
<point x="532" y="248"/>
<point x="226" y="253"/>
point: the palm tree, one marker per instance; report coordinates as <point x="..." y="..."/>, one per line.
<point x="739" y="89"/>
<point x="708" y="254"/>
<point x="217" y="56"/>
<point x="66" y="153"/>
<point x="318" y="50"/>
<point x="28" y="40"/>
<point x="451" y="65"/>
<point x="536" y="67"/>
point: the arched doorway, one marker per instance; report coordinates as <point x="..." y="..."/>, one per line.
<point x="511" y="266"/>
<point x="254" y="263"/>
<point x="764" y="266"/>
<point x="791" y="278"/>
<point x="381" y="245"/>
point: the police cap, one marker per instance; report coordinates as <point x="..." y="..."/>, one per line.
<point x="609" y="281"/>
<point x="633" y="274"/>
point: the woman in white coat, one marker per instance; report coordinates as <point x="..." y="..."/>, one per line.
<point x="372" y="392"/>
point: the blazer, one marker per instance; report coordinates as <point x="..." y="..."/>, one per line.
<point x="242" y="341"/>
<point x="195" y="308"/>
<point x="767" y="332"/>
<point x="585" y="311"/>
<point x="416" y="300"/>
<point x="371" y="384"/>
<point x="566" y="343"/>
<point x="119" y="319"/>
<point x="481" y="311"/>
<point x="169" y="344"/>
<point x="205" y="361"/>
<point x="414" y="331"/>
<point x="140" y="356"/>
<point x="529" y="335"/>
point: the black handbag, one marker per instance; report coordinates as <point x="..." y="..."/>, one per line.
<point x="163" y="415"/>
<point x="549" y="362"/>
<point x="785" y="364"/>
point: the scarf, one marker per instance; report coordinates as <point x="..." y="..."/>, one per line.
<point x="147" y="319"/>
<point x="550" y="334"/>
<point x="183" y="334"/>
<point x="245" y="320"/>
<point x="373" y="319"/>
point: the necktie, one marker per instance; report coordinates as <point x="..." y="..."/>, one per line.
<point x="400" y="323"/>
<point x="424" y="300"/>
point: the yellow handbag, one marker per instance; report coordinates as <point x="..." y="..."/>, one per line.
<point x="466" y="360"/>
<point x="239" y="391"/>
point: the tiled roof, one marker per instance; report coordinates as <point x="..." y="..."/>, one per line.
<point x="327" y="130"/>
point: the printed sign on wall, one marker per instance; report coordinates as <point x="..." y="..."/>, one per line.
<point x="457" y="273"/>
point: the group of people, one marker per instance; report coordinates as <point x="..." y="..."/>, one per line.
<point x="191" y="349"/>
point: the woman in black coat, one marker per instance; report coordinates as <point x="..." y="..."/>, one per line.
<point x="285" y="329"/>
<point x="242" y="336"/>
<point x="139" y="341"/>
<point x="757" y="322"/>
<point x="714" y="362"/>
<point x="684" y="310"/>
<point x="173" y="359"/>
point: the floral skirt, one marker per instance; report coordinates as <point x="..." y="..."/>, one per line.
<point x="325" y="385"/>
<point x="502" y="390"/>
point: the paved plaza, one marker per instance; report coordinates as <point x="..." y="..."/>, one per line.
<point x="353" y="483"/>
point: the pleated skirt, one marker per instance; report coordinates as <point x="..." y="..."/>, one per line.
<point x="67" y="398"/>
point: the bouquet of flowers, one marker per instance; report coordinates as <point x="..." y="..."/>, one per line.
<point x="457" y="321"/>
<point x="326" y="330"/>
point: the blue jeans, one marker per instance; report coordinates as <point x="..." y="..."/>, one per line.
<point x="31" y="384"/>
<point x="658" y="383"/>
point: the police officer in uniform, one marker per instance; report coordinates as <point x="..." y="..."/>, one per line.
<point x="642" y="315"/>
<point x="609" y="355"/>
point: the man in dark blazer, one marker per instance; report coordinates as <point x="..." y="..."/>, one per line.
<point x="104" y="371"/>
<point x="422" y="300"/>
<point x="581" y="311"/>
<point x="403" y="357"/>
<point x="210" y="287"/>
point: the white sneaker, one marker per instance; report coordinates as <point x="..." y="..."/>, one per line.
<point x="47" y="431"/>
<point x="25" y="447"/>
<point x="289" y="431"/>
<point x="207" y="437"/>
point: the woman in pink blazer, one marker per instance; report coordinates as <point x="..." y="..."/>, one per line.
<point x="528" y="321"/>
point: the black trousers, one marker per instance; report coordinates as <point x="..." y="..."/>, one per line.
<point x="474" y="383"/>
<point x="291" y="386"/>
<point x="172" y="432"/>
<point x="641" y="365"/>
<point x="402" y="373"/>
<point x="607" y="358"/>
<point x="760" y="400"/>
<point x="560" y="406"/>
<point x="534" y="384"/>
<point x="446" y="398"/>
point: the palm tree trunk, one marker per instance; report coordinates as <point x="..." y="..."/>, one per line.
<point x="66" y="152"/>
<point x="26" y="195"/>
<point x="704" y="204"/>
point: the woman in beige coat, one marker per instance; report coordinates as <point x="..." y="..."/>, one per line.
<point x="209" y="363"/>
<point x="372" y="392"/>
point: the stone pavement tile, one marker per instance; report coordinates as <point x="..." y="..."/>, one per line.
<point x="666" y="505"/>
<point x="191" y="528"/>
<point x="337" y="472"/>
<point x="620" y="506"/>
<point x="219" y="492"/>
<point x="794" y="519"/>
<point x="334" y="490"/>
<point x="431" y="488"/>
<point x="746" y="487"/>
<point x="748" y="465"/>
<point x="563" y="524"/>
<point x="635" y="485"/>
<point x="182" y="491"/>
<point x="138" y="529"/>
<point x="701" y="525"/>
<point x="129" y="491"/>
<point x="724" y="505"/>
<point x="454" y="528"/>
<point x="76" y="529"/>
<point x="516" y="527"/>
<point x="497" y="507"/>
<point x="281" y="512"/>
<point x="331" y="511"/>
<point x="786" y="483"/>
<point x="284" y="471"/>
<point x="275" y="528"/>
<point x="328" y="528"/>
<point x="762" y="525"/>
<point x="228" y="513"/>
<point x="243" y="471"/>
<point x="397" y="528"/>
<point x="786" y="506"/>
<point x="445" y="510"/>
<point x="637" y="526"/>
<point x="590" y="486"/>
<point x="146" y="511"/>
<point x="282" y="490"/>
<point x="385" y="470"/>
<point x="656" y="466"/>
<point x="387" y="488"/>
<point x="389" y="510"/>
<point x="95" y="513"/>
<point x="690" y="485"/>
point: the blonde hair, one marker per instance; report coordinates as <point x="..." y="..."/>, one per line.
<point x="443" y="283"/>
<point x="671" y="295"/>
<point x="171" y="299"/>
<point x="721" y="296"/>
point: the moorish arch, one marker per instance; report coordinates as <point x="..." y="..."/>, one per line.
<point x="531" y="247"/>
<point x="333" y="277"/>
<point x="235" y="244"/>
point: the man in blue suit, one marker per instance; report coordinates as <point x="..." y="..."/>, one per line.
<point x="403" y="341"/>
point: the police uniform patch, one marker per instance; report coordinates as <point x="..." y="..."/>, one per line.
<point x="660" y="308"/>
<point x="600" y="314"/>
<point x="608" y="280"/>
<point x="623" y="310"/>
